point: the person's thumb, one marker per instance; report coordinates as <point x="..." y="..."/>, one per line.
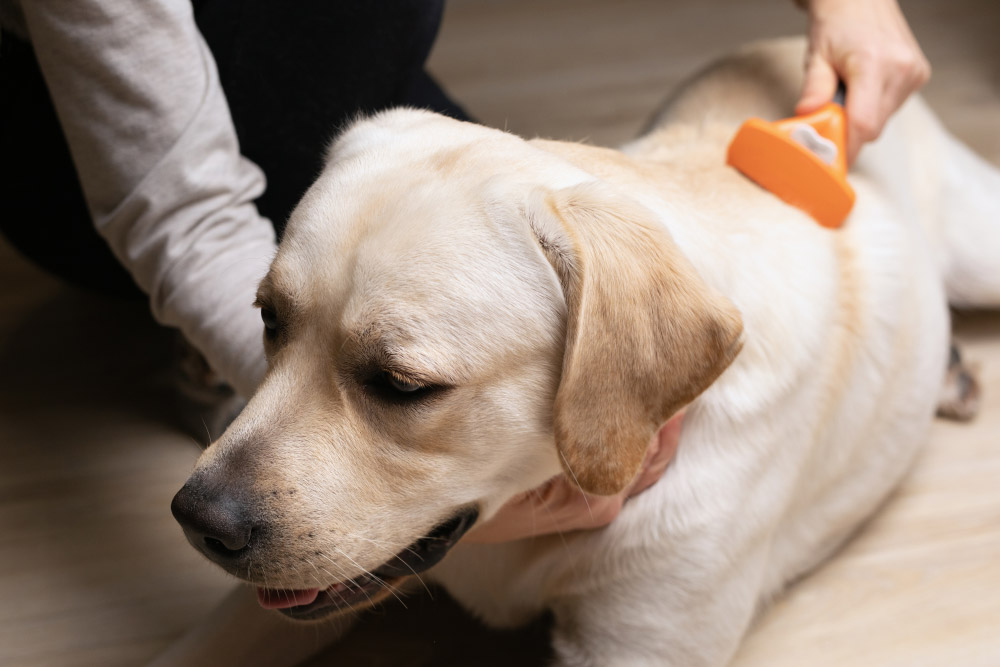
<point x="819" y="87"/>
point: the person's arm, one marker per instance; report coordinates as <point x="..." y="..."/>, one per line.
<point x="149" y="129"/>
<point x="867" y="44"/>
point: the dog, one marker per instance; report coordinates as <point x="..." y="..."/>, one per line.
<point x="456" y="315"/>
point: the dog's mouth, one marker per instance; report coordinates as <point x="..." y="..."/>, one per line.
<point x="371" y="587"/>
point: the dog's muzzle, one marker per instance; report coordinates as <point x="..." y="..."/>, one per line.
<point x="372" y="587"/>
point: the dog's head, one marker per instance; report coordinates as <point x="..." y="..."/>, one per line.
<point x="453" y="317"/>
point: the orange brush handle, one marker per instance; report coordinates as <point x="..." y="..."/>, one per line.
<point x="801" y="159"/>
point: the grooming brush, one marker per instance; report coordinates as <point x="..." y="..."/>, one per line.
<point x="801" y="159"/>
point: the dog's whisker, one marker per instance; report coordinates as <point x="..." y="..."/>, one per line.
<point x="577" y="482"/>
<point x="410" y="567"/>
<point x="387" y="549"/>
<point x="319" y="583"/>
<point x="365" y="571"/>
<point x="347" y="581"/>
<point x="351" y="337"/>
<point x="374" y="577"/>
<point x="208" y="434"/>
<point x="341" y="571"/>
<point x="332" y="577"/>
<point x="571" y="557"/>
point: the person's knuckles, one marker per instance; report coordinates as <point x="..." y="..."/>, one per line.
<point x="919" y="72"/>
<point x="859" y="58"/>
<point x="905" y="63"/>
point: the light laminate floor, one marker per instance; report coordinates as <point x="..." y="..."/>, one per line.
<point x="95" y="572"/>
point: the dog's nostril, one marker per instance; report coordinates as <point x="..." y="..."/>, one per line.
<point x="219" y="548"/>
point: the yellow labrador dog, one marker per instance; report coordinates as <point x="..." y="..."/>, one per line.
<point x="456" y="315"/>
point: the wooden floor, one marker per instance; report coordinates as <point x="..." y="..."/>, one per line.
<point x="93" y="570"/>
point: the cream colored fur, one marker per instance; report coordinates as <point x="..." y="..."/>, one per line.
<point x="572" y="298"/>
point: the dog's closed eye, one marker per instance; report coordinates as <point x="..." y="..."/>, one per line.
<point x="403" y="385"/>
<point x="394" y="387"/>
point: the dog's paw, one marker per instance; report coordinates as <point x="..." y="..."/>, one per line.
<point x="959" y="399"/>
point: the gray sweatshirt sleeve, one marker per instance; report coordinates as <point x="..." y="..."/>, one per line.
<point x="138" y="96"/>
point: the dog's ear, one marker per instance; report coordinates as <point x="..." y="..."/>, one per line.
<point x="644" y="333"/>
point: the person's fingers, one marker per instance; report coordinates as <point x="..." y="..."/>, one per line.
<point x="598" y="511"/>
<point x="659" y="454"/>
<point x="819" y="86"/>
<point x="518" y="517"/>
<point x="869" y="44"/>
<point x="566" y="508"/>
<point x="647" y="474"/>
<point x="558" y="505"/>
<point x="906" y="61"/>
<point x="864" y="109"/>
<point x="911" y="70"/>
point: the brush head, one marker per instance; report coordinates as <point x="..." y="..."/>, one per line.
<point x="801" y="160"/>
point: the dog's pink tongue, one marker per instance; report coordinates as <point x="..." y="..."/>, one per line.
<point x="270" y="598"/>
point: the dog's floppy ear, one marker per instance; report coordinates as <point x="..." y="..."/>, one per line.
<point x="644" y="333"/>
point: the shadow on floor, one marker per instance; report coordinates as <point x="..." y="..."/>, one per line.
<point x="436" y="633"/>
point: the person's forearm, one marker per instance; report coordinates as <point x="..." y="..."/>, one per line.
<point x="149" y="129"/>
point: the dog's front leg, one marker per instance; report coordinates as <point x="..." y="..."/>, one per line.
<point x="672" y="611"/>
<point x="239" y="633"/>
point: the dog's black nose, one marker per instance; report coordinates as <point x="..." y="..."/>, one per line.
<point x="215" y="522"/>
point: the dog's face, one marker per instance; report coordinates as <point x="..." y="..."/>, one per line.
<point x="442" y="333"/>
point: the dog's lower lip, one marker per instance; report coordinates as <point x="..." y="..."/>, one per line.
<point x="362" y="590"/>
<point x="270" y="598"/>
<point x="370" y="587"/>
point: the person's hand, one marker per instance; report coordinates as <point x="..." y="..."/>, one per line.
<point x="557" y="506"/>
<point x="867" y="44"/>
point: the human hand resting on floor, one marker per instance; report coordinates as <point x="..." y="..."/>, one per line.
<point x="558" y="506"/>
<point x="868" y="45"/>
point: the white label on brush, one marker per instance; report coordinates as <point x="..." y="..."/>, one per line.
<point x="807" y="136"/>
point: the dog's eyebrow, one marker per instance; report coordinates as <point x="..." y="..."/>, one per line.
<point x="264" y="291"/>
<point x="374" y="349"/>
<point x="269" y="293"/>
